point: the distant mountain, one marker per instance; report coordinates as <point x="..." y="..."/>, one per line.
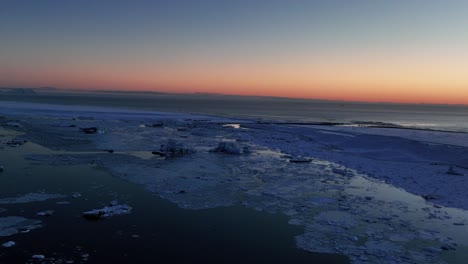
<point x="46" y="88"/>
<point x="126" y="92"/>
<point x="17" y="91"/>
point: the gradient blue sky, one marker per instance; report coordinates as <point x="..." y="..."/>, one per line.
<point x="405" y="51"/>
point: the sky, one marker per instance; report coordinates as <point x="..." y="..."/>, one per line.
<point x="411" y="51"/>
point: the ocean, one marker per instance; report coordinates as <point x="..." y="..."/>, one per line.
<point x="270" y="109"/>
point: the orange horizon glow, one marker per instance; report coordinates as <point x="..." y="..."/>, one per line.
<point x="372" y="51"/>
<point x="332" y="93"/>
<point x="396" y="82"/>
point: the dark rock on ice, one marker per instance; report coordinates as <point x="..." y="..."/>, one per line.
<point x="428" y="197"/>
<point x="158" y="124"/>
<point x="158" y="153"/>
<point x="246" y="150"/>
<point x="299" y="160"/>
<point x="89" y="130"/>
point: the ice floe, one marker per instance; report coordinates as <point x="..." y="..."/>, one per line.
<point x="112" y="210"/>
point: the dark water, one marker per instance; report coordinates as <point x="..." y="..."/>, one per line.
<point x="438" y="117"/>
<point x="166" y="233"/>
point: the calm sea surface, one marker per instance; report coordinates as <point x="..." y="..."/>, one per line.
<point x="438" y="117"/>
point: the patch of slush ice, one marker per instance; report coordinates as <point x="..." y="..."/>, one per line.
<point x="30" y="197"/>
<point x="11" y="225"/>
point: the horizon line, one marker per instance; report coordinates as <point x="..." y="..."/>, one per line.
<point x="108" y="90"/>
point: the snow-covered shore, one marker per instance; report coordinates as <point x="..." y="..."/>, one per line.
<point x="341" y="183"/>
